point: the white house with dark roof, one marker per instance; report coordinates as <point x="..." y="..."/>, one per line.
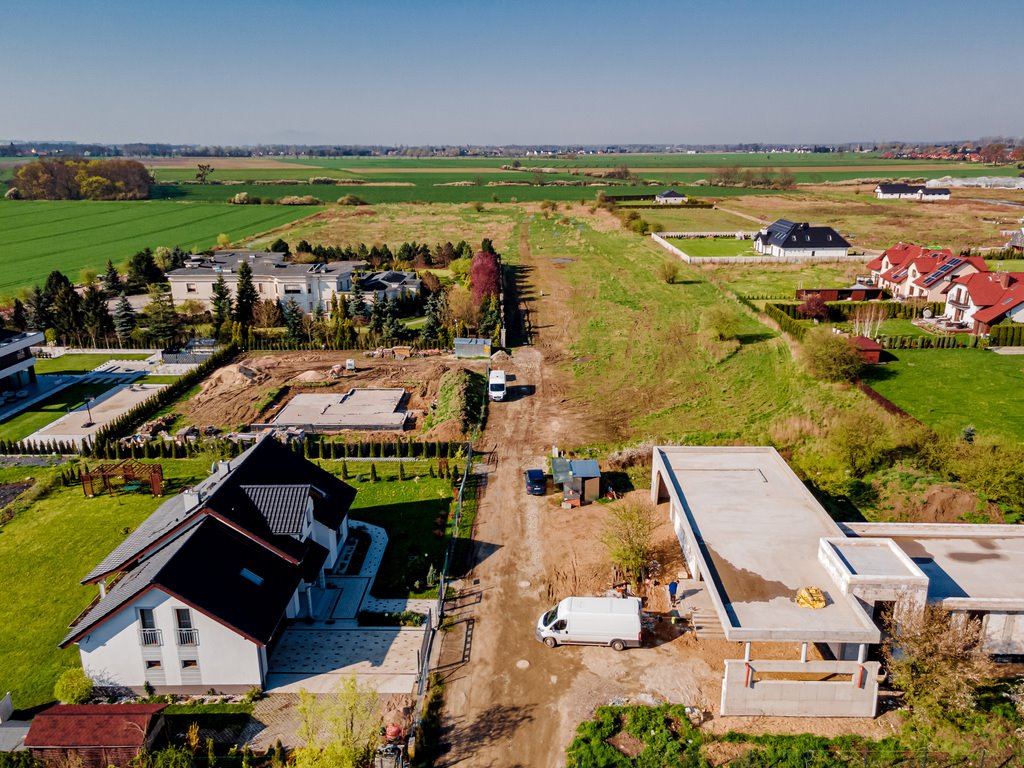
<point x="193" y="597"/>
<point x="911" y="192"/>
<point x="310" y="285"/>
<point x="789" y="238"/>
<point x="670" y="197"/>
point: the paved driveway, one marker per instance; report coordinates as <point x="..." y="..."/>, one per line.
<point x="317" y="658"/>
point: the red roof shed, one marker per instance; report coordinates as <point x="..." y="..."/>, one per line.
<point x="99" y="734"/>
<point x="870" y="351"/>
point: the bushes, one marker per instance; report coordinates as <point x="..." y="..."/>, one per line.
<point x="300" y="200"/>
<point x="1008" y="335"/>
<point x="830" y="356"/>
<point x="785" y="321"/>
<point x="73" y="687"/>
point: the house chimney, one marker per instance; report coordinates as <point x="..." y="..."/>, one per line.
<point x="193" y="498"/>
<point x="223" y="468"/>
<point x="1003" y="278"/>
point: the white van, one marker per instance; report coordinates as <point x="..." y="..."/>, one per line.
<point x="613" y="621"/>
<point x="496" y="385"/>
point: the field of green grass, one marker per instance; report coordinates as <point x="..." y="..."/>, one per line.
<point x="49" y="410"/>
<point x="1016" y="265"/>
<point x="718" y="246"/>
<point x="40" y="236"/>
<point x="66" y="364"/>
<point x="44" y="552"/>
<point x="951" y="389"/>
<point x="637" y="342"/>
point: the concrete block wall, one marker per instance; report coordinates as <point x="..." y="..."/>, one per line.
<point x="854" y="694"/>
<point x="1003" y="633"/>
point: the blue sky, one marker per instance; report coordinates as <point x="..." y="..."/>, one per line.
<point x="452" y="72"/>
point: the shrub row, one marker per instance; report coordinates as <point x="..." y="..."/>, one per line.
<point x="841" y="311"/>
<point x="787" y="323"/>
<point x="1010" y="335"/>
<point x="928" y="342"/>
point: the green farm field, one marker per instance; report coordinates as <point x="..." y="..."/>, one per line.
<point x="40" y="236"/>
<point x="780" y="280"/>
<point x="951" y="389"/>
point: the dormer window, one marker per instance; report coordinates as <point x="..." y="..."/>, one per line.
<point x="252" y="577"/>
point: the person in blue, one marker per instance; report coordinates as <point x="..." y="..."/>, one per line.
<point x="672" y="587"/>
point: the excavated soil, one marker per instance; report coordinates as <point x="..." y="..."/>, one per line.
<point x="239" y="393"/>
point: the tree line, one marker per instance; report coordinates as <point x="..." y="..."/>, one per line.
<point x="81" y="179"/>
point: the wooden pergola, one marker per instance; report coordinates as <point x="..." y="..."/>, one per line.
<point x="132" y="473"/>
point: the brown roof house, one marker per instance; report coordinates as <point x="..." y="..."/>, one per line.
<point x="97" y="734"/>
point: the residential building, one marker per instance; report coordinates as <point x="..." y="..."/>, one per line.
<point x="17" y="363"/>
<point x="984" y="299"/>
<point x="670" y="197"/>
<point x="377" y="286"/>
<point x="310" y="285"/>
<point x="756" y="540"/>
<point x="1017" y="240"/>
<point x="788" y="238"/>
<point x="911" y="192"/>
<point x="94" y="735"/>
<point x="912" y="272"/>
<point x="193" y="597"/>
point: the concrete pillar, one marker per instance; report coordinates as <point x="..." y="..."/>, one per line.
<point x="309" y="600"/>
<point x="746" y="651"/>
<point x="803" y="652"/>
<point x="862" y="653"/>
<point x="103" y="590"/>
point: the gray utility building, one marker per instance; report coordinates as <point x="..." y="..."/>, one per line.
<point x="756" y="536"/>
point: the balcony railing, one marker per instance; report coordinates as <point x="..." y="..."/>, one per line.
<point x="188" y="637"/>
<point x="151" y="637"/>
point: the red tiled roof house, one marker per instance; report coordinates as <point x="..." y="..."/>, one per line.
<point x="984" y="299"/>
<point x="97" y="734"/>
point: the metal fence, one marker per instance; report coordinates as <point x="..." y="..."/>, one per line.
<point x="449" y="554"/>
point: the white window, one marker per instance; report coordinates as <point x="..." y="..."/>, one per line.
<point x="292" y="288"/>
<point x="190" y="288"/>
<point x="153" y="664"/>
<point x="189" y="664"/>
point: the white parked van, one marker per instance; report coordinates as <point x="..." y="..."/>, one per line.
<point x="496" y="385"/>
<point x="613" y="621"/>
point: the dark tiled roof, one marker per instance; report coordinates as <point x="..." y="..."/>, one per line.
<point x="92" y="725"/>
<point x="203" y="568"/>
<point x="671" y="193"/>
<point x="897" y="189"/>
<point x="379" y="281"/>
<point x="282" y="506"/>
<point x="789" y="234"/>
<point x="934" y="191"/>
<point x="223" y="495"/>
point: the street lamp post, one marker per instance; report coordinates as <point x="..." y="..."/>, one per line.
<point x="88" y="401"/>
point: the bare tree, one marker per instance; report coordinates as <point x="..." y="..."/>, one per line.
<point x="668" y="271"/>
<point x="867" y="319"/>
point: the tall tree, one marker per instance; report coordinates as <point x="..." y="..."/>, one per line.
<point x="161" y="317"/>
<point x="111" y="280"/>
<point x="143" y="271"/>
<point x="38" y="310"/>
<point x="96" y="318"/>
<point x="292" y="315"/>
<point x="19" y="318"/>
<point x="221" y="303"/>
<point x="54" y="282"/>
<point x="124" y="320"/>
<point x="67" y="315"/>
<point x="245" y="295"/>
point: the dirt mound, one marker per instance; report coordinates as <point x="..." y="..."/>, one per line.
<point x="311" y="377"/>
<point x="943" y="504"/>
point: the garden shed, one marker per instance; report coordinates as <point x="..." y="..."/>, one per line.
<point x="580" y="480"/>
<point x="472" y="347"/>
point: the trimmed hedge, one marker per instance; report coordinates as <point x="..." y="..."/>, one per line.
<point x="841" y="311"/>
<point x="786" y="321"/>
<point x="1008" y="335"/>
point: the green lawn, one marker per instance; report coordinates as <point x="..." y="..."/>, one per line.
<point x="950" y="389"/>
<point x="49" y="410"/>
<point x="44" y="552"/>
<point x="718" y="246"/>
<point x="80" y="363"/>
<point x="1014" y="265"/>
<point x="780" y="280"/>
<point x="39" y="236"/>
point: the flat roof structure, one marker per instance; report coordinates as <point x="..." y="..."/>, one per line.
<point x="365" y="409"/>
<point x="756" y="531"/>
<point x="970" y="567"/>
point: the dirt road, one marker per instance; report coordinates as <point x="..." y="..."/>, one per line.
<point x="511" y="701"/>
